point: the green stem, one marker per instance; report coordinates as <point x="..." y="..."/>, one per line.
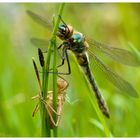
<point x="55" y="89"/>
<point x="100" y="115"/>
<point x="45" y="117"/>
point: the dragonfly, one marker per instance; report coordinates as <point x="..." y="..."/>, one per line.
<point x="62" y="85"/>
<point x="84" y="47"/>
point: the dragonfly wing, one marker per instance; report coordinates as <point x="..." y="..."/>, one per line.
<point x="117" y="54"/>
<point x="40" y="20"/>
<point x="43" y="44"/>
<point x="39" y="42"/>
<point x="113" y="77"/>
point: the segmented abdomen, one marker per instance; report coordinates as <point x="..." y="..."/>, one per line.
<point x="83" y="62"/>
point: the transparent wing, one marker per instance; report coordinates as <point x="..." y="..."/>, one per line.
<point x="119" y="55"/>
<point x="40" y="20"/>
<point x="43" y="44"/>
<point x="39" y="42"/>
<point x="114" y="78"/>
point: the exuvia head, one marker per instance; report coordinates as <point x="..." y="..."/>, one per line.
<point x="64" y="31"/>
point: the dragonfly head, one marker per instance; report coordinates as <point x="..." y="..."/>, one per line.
<point x="64" y="31"/>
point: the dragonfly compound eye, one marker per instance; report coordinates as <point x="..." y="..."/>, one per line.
<point x="64" y="31"/>
<point x="61" y="31"/>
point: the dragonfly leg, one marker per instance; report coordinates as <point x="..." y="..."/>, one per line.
<point x="64" y="57"/>
<point x="60" y="46"/>
<point x="41" y="56"/>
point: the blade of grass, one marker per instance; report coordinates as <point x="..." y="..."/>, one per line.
<point x="134" y="51"/>
<point x="55" y="89"/>
<point x="44" y="115"/>
<point x="99" y="114"/>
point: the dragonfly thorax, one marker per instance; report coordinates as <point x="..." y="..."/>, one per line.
<point x="78" y="43"/>
<point x="64" y="31"/>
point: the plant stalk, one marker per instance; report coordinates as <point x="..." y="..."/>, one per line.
<point x="45" y="118"/>
<point x="55" y="89"/>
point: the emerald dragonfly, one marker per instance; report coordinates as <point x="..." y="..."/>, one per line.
<point x="79" y="45"/>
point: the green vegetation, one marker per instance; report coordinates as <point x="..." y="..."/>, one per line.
<point x="46" y="128"/>
<point x="114" y="24"/>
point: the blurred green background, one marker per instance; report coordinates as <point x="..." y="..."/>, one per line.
<point x="114" y="24"/>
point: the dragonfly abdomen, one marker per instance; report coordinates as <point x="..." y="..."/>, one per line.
<point x="99" y="97"/>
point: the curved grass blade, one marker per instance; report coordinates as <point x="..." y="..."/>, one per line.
<point x="117" y="54"/>
<point x="134" y="50"/>
<point x="114" y="78"/>
<point x="98" y="125"/>
<point x="40" y="20"/>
